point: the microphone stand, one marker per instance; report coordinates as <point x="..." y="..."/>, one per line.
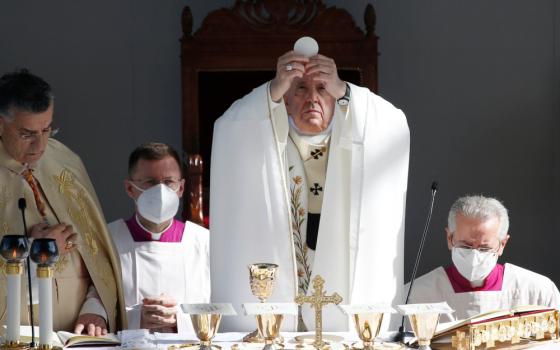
<point x="401" y="334"/>
<point x="22" y="205"/>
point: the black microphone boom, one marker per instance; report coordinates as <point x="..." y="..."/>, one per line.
<point x="22" y="205"/>
<point x="401" y="334"/>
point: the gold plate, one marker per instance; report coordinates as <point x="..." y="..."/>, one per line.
<point x="192" y="346"/>
<point x="310" y="338"/>
<point x="253" y="346"/>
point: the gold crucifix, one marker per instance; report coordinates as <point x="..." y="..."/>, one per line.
<point x="317" y="300"/>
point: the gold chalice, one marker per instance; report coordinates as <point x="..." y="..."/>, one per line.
<point x="424" y="326"/>
<point x="262" y="278"/>
<point x="268" y="326"/>
<point x="206" y="327"/>
<point x="367" y="326"/>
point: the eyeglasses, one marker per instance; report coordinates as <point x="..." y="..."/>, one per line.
<point x="171" y="183"/>
<point x="29" y="136"/>
<point x="483" y="248"/>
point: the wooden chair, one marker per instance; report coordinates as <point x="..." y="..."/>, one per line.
<point x="235" y="50"/>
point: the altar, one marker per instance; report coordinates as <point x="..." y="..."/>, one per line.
<point x="234" y="340"/>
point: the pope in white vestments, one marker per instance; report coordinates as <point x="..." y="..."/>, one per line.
<point x="475" y="283"/>
<point x="164" y="261"/>
<point x="310" y="173"/>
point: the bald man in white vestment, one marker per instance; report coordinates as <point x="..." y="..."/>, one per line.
<point x="309" y="172"/>
<point x="475" y="283"/>
<point x="164" y="261"/>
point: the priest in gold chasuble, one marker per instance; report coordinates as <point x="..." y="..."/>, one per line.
<point x="310" y="173"/>
<point x="61" y="204"/>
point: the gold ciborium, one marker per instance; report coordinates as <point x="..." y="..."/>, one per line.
<point x="262" y="278"/>
<point x="424" y="326"/>
<point x="367" y="326"/>
<point x="206" y="327"/>
<point x="268" y="326"/>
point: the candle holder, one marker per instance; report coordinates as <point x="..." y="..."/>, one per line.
<point x="268" y="326"/>
<point x="44" y="253"/>
<point x="424" y="326"/>
<point x="14" y="249"/>
<point x="367" y="327"/>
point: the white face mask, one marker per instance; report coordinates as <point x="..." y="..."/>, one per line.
<point x="158" y="203"/>
<point x="473" y="264"/>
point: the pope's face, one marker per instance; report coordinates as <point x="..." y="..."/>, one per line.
<point x="149" y="173"/>
<point x="25" y="136"/>
<point x="309" y="104"/>
<point x="477" y="233"/>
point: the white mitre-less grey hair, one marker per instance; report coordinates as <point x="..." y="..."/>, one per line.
<point x="479" y="207"/>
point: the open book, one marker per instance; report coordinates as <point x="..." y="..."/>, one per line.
<point x="450" y="327"/>
<point x="70" y="339"/>
<point x="444" y="331"/>
<point x="67" y="339"/>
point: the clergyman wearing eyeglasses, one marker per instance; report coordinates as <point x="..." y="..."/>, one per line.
<point x="477" y="234"/>
<point x="61" y="204"/>
<point x="164" y="261"/>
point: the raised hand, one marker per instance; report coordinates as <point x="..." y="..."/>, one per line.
<point x="323" y="69"/>
<point x="289" y="66"/>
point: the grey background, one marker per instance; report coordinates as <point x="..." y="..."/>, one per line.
<point x="478" y="80"/>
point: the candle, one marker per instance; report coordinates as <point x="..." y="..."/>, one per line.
<point x="45" y="253"/>
<point x="13" y="317"/>
<point x="13" y="249"/>
<point x="44" y="277"/>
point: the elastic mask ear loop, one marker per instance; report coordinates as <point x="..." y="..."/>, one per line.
<point x="136" y="187"/>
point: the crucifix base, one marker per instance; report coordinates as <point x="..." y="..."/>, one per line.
<point x="325" y="346"/>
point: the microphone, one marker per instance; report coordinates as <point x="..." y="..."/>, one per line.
<point x="22" y="205"/>
<point x="402" y="334"/>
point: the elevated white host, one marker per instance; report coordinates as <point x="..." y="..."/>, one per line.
<point x="306" y="46"/>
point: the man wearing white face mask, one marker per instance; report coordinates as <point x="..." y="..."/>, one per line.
<point x="475" y="283"/>
<point x="164" y="261"/>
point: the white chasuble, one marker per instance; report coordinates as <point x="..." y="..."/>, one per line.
<point x="360" y="241"/>
<point x="519" y="287"/>
<point x="180" y="270"/>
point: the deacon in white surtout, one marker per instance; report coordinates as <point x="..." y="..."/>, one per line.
<point x="475" y="283"/>
<point x="309" y="172"/>
<point x="165" y="262"/>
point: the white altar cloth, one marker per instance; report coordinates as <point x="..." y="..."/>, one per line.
<point x="226" y="340"/>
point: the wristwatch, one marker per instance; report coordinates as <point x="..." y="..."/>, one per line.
<point x="344" y="100"/>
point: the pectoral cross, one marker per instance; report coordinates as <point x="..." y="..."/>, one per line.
<point x="317" y="300"/>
